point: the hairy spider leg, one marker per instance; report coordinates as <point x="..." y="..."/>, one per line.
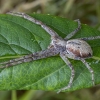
<point x="44" y="26"/>
<point x="31" y="57"/>
<point x="75" y="31"/>
<point x="64" y="57"/>
<point x="90" y="70"/>
<point x="90" y="38"/>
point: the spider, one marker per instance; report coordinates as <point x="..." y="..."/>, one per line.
<point x="77" y="49"/>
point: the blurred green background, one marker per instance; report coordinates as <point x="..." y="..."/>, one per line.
<point x="88" y="11"/>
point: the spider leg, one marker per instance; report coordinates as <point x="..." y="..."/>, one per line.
<point x="90" y="70"/>
<point x="45" y="27"/>
<point x="31" y="57"/>
<point x="90" y="38"/>
<point x="75" y="31"/>
<point x="72" y="72"/>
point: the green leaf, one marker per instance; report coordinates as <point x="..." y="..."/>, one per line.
<point x="19" y="37"/>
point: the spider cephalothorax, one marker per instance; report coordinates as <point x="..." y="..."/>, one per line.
<point x="77" y="49"/>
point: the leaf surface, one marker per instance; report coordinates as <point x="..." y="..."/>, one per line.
<point x="20" y="37"/>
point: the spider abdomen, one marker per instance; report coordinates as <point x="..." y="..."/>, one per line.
<point x="79" y="48"/>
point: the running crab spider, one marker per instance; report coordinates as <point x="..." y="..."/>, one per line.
<point x="77" y="49"/>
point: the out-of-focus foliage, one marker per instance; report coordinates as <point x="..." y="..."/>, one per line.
<point x="88" y="11"/>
